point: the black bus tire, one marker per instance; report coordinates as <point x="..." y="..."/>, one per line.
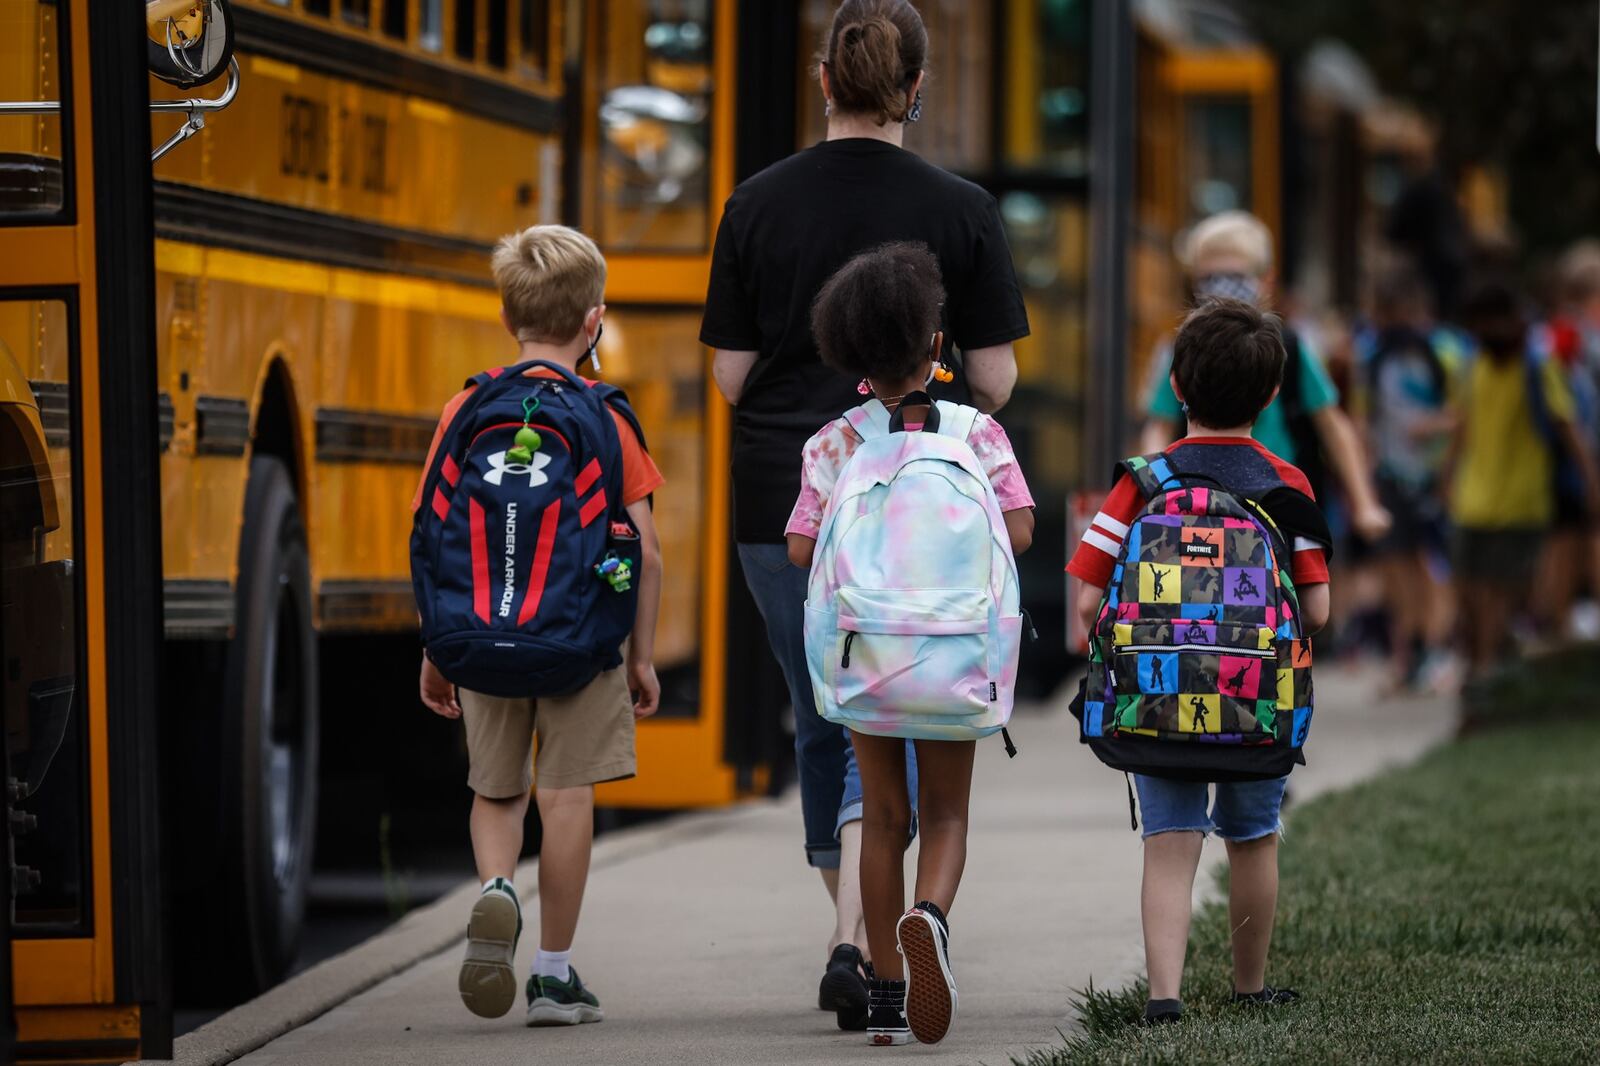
<point x="268" y="741"/>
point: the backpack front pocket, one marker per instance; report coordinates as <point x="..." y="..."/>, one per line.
<point x="1195" y="677"/>
<point x="915" y="651"/>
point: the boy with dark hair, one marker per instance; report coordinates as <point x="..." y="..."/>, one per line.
<point x="1226" y="368"/>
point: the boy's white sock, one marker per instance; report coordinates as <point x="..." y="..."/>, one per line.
<point x="553" y="964"/>
<point x="502" y="883"/>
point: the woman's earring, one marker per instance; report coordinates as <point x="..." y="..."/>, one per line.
<point x="915" y="113"/>
<point x="827" y="108"/>
<point x="864" y="387"/>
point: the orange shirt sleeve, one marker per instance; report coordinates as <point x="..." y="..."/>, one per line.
<point x="640" y="476"/>
<point x="445" y="418"/>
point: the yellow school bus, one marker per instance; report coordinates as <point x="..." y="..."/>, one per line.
<point x="79" y="541"/>
<point x="320" y="287"/>
<point x="1207" y="141"/>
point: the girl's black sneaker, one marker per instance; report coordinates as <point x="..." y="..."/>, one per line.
<point x="924" y="938"/>
<point x="886" y="1013"/>
<point x="1267" y="997"/>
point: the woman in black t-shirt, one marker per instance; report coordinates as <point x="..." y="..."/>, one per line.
<point x="784" y="232"/>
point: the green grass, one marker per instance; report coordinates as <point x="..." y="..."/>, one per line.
<point x="1544" y="687"/>
<point x="1448" y="912"/>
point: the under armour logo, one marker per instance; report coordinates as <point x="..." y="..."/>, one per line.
<point x="499" y="468"/>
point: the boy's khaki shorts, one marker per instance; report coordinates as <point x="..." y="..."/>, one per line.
<point x="584" y="738"/>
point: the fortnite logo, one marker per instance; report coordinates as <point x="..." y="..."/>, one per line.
<point x="511" y="559"/>
<point x="499" y="468"/>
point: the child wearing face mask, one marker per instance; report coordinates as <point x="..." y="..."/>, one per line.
<point x="1516" y="420"/>
<point x="1229" y="256"/>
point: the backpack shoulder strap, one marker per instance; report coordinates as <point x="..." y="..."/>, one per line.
<point x="869" y="420"/>
<point x="956" y="419"/>
<point x="1533" y="361"/>
<point x="1153" y="474"/>
<point x="616" y="399"/>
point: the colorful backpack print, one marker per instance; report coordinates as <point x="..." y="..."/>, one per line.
<point x="1198" y="669"/>
<point x="913" y="615"/>
<point x="519" y="549"/>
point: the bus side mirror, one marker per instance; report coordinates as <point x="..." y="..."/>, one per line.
<point x="190" y="41"/>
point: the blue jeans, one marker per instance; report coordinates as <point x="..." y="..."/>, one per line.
<point x="1244" y="810"/>
<point x="825" y="760"/>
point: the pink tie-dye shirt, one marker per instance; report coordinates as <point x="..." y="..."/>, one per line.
<point x="831" y="447"/>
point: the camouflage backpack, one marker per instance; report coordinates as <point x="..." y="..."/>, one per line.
<point x="1198" y="668"/>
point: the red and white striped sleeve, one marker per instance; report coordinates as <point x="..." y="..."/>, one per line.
<point x="1308" y="563"/>
<point x="1096" y="556"/>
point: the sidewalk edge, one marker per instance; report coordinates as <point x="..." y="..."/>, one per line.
<point x="420" y="935"/>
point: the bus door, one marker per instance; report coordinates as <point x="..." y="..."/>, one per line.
<point x="80" y="564"/>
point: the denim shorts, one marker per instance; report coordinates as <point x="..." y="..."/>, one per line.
<point x="1244" y="810"/>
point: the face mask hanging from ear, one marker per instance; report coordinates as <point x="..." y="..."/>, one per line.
<point x="593" y="354"/>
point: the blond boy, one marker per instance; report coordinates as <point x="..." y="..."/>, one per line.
<point x="552" y="290"/>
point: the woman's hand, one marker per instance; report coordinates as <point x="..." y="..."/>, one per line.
<point x="438" y="694"/>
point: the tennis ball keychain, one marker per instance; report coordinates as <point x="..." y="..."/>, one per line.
<point x="527" y="440"/>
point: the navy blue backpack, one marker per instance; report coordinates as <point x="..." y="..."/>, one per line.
<point x="522" y="551"/>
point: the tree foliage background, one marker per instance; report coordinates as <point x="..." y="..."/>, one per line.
<point x="1510" y="82"/>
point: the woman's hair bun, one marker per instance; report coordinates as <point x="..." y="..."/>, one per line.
<point x="874" y="51"/>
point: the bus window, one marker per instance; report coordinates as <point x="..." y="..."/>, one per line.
<point x="497" y="34"/>
<point x="357" y="12"/>
<point x="43" y="697"/>
<point x="31" y="161"/>
<point x="533" y="38"/>
<point x="655" y="355"/>
<point x="655" y="126"/>
<point x="1217" y="174"/>
<point x="430" y="25"/>
<point x="317" y="7"/>
<point x="394" y="19"/>
<point x="466" y="40"/>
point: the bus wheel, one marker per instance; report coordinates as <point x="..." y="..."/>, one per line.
<point x="269" y="734"/>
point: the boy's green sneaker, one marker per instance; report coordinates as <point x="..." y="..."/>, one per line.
<point x="488" y="980"/>
<point x="553" y="1002"/>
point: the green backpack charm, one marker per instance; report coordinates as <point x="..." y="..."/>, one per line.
<point x="527" y="440"/>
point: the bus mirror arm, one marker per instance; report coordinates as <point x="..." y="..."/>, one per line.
<point x="195" y="108"/>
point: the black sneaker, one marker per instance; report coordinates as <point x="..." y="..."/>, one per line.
<point x="854" y="1020"/>
<point x="553" y="1002"/>
<point x="1267" y="997"/>
<point x="1163" y="1011"/>
<point x="487" y="981"/>
<point x="886" y="1013"/>
<point x="924" y="939"/>
<point x="843" y="989"/>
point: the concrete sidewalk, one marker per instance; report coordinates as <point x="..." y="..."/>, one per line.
<point x="705" y="945"/>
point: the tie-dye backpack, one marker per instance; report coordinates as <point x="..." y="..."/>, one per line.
<point x="1197" y="665"/>
<point x="913" y="615"/>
